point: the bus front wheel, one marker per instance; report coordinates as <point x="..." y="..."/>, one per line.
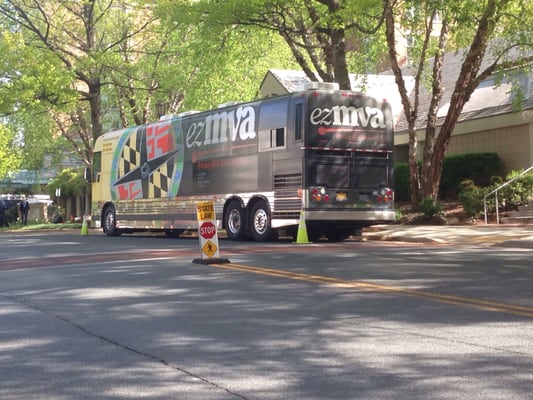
<point x="261" y="223"/>
<point x="110" y="222"/>
<point x="235" y="222"/>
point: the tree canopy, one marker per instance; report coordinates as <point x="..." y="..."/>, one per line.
<point x="10" y="155"/>
<point x="106" y="63"/>
<point x="325" y="37"/>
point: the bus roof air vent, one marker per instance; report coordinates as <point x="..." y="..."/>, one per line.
<point x="168" y="117"/>
<point x="318" y="85"/>
<point x="185" y="113"/>
<point x="229" y="103"/>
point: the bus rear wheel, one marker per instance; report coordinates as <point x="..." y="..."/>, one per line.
<point x="110" y="222"/>
<point x="261" y="223"/>
<point x="235" y="221"/>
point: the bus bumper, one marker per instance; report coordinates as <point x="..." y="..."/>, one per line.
<point x="367" y="217"/>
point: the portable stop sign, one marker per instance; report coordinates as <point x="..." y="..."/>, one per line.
<point x="207" y="234"/>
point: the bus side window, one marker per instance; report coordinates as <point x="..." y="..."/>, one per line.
<point x="277" y="137"/>
<point x="298" y="121"/>
<point x="272" y="129"/>
<point x="97" y="166"/>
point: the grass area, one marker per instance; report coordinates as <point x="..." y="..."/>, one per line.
<point x="36" y="226"/>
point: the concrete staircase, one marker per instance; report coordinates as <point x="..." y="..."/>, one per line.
<point x="524" y="215"/>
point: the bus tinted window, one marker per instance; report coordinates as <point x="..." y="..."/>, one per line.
<point x="279" y="137"/>
<point x="298" y="121"/>
<point x="370" y="172"/>
<point x="272" y="124"/>
<point x="332" y="175"/>
<point x="97" y="165"/>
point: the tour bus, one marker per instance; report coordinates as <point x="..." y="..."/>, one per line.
<point x="320" y="154"/>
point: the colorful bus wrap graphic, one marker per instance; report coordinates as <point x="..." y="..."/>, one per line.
<point x="148" y="162"/>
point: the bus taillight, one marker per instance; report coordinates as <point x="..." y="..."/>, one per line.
<point x="384" y="195"/>
<point x="319" y="194"/>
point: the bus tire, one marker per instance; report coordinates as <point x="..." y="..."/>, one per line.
<point x="261" y="223"/>
<point x="110" y="222"/>
<point x="235" y="221"/>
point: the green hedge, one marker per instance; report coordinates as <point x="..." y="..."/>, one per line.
<point x="401" y="182"/>
<point x="478" y="167"/>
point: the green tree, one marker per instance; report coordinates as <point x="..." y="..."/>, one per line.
<point x="231" y="69"/>
<point x="10" y="155"/>
<point x="496" y="36"/>
<point x="36" y="140"/>
<point x="100" y="58"/>
<point x="76" y="44"/>
<point x="325" y="37"/>
<point x="28" y="91"/>
<point x="224" y="61"/>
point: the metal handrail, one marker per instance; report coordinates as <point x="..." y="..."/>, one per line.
<point x="495" y="192"/>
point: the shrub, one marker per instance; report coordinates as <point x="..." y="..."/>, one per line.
<point x="467" y="185"/>
<point x="472" y="201"/>
<point x="518" y="192"/>
<point x="509" y="197"/>
<point x="496" y="181"/>
<point x="429" y="207"/>
<point x="398" y="214"/>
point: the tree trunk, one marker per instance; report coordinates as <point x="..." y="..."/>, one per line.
<point x="340" y="68"/>
<point x="337" y="37"/>
<point x="467" y="81"/>
<point x="95" y="101"/>
<point x="414" y="173"/>
<point x="409" y="108"/>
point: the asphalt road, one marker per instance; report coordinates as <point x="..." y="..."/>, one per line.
<point x="90" y="317"/>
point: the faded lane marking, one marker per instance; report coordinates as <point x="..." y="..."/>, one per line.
<point x="487" y="305"/>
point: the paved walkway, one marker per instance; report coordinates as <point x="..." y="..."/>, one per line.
<point x="516" y="235"/>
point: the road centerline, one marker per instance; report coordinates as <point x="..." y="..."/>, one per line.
<point x="486" y="305"/>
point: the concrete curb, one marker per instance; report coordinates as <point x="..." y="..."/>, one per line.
<point x="509" y="235"/>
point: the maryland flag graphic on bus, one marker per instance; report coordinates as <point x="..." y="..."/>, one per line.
<point x="148" y="162"/>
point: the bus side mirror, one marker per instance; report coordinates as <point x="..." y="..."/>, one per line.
<point x="87" y="175"/>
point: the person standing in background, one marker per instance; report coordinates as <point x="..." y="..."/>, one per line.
<point x="24" y="208"/>
<point x="3" y="216"/>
